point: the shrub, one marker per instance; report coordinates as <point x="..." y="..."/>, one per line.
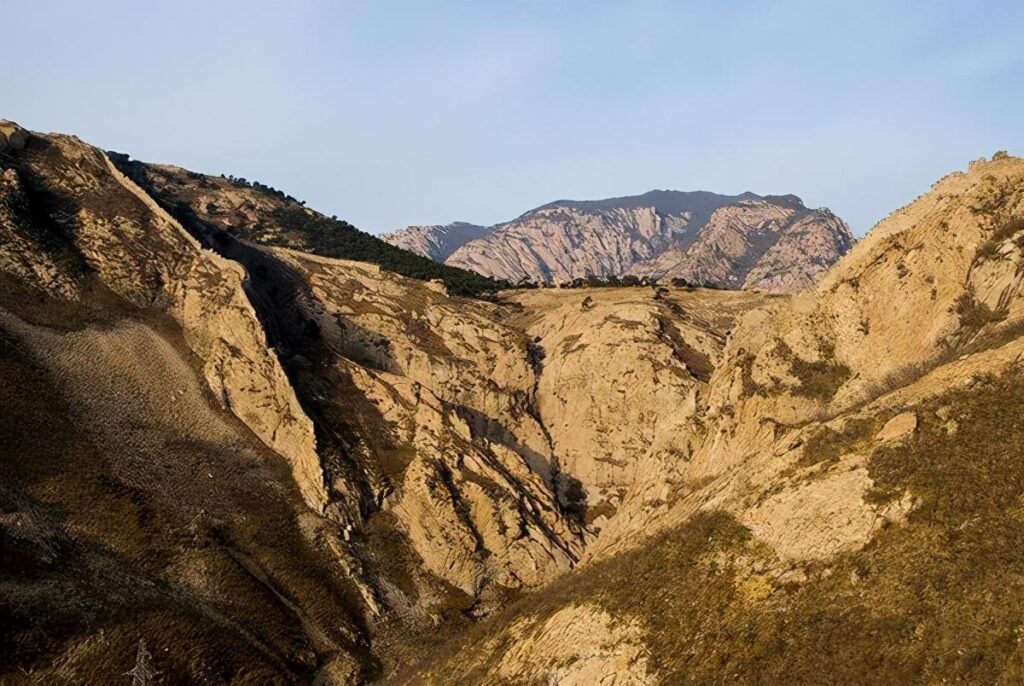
<point x="819" y="380"/>
<point x="334" y="238"/>
<point x="974" y="315"/>
<point x="1005" y="230"/>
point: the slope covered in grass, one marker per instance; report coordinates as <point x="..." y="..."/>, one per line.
<point x="934" y="599"/>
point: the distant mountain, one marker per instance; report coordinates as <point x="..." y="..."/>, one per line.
<point x="437" y="241"/>
<point x="771" y="243"/>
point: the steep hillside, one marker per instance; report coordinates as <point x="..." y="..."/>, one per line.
<point x="850" y="510"/>
<point x="161" y="481"/>
<point x="412" y="422"/>
<point x="263" y="215"/>
<point x="773" y="243"/>
<point x="272" y="465"/>
<point x="623" y="373"/>
<point x="176" y="390"/>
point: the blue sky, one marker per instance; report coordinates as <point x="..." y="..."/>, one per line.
<point x="391" y="113"/>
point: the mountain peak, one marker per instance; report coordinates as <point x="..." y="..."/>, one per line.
<point x="699" y="236"/>
<point x="436" y="241"/>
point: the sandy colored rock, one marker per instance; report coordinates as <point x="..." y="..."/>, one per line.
<point x="818" y="519"/>
<point x="621" y="376"/>
<point x="12" y="135"/>
<point x="899" y="427"/>
<point x="147" y="257"/>
<point x="899" y="305"/>
<point x="576" y="646"/>
<point x="476" y="497"/>
<point x="739" y="458"/>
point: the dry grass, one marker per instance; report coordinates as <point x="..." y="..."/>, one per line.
<point x="819" y="380"/>
<point x="826" y="445"/>
<point x="937" y="599"/>
<point x="1005" y="230"/>
<point x="120" y="521"/>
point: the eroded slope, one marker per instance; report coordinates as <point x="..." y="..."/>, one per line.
<point x="839" y="517"/>
<point x="275" y="465"/>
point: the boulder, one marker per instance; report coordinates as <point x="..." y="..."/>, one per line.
<point x="899" y="427"/>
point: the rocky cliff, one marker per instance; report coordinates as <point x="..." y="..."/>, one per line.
<point x="436" y="241"/>
<point x="271" y="464"/>
<point x="773" y="243"/>
<point x="844" y="457"/>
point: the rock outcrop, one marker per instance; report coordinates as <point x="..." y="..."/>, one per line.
<point x="473" y="486"/>
<point x="905" y="301"/>
<point x="623" y="373"/>
<point x="770" y="243"/>
<point x="160" y="480"/>
<point x="767" y="245"/>
<point x="556" y="244"/>
<point x="12" y="136"/>
<point x="425" y="403"/>
<point x="99" y="222"/>
<point x="576" y="646"/>
<point x="436" y="241"/>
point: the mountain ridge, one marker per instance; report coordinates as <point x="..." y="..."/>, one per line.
<point x="657" y="235"/>
<point x="436" y="241"/>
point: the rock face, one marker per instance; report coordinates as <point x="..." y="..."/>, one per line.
<point x="776" y="246"/>
<point x="907" y="300"/>
<point x="159" y="473"/>
<point x="278" y="466"/>
<point x="576" y="646"/>
<point x="101" y="223"/>
<point x="408" y="417"/>
<point x="424" y="404"/>
<point x="463" y="461"/>
<point x="621" y="375"/>
<point x="436" y="241"/>
<point x="832" y="420"/>
<point x="12" y="135"/>
<point x="561" y="243"/>
<point x="773" y="244"/>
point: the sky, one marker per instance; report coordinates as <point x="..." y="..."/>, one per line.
<point x="390" y="113"/>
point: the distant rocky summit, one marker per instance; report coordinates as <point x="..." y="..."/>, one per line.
<point x="437" y="241"/>
<point x="769" y="243"/>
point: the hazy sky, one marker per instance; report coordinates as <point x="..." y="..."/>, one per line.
<point x="392" y="113"/>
